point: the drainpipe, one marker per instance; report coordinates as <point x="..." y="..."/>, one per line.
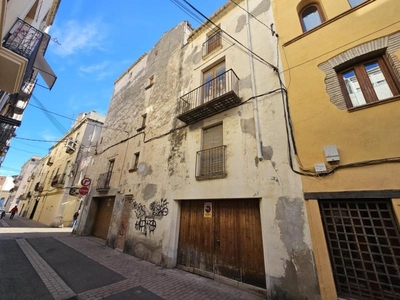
<point x="253" y="87"/>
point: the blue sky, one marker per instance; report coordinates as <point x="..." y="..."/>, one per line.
<point x="97" y="42"/>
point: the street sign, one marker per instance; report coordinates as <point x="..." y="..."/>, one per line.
<point x="83" y="190"/>
<point x="86" y="181"/>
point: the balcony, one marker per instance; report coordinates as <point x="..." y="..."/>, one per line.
<point x="22" y="51"/>
<point x="213" y="97"/>
<point x="23" y="39"/>
<point x="70" y="146"/>
<point x="210" y="163"/>
<point x="18" y="51"/>
<point x="58" y="181"/>
<point x="38" y="187"/>
<point x="103" y="182"/>
<point x="50" y="162"/>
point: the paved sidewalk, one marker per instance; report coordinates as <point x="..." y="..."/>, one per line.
<point x="143" y="280"/>
<point x="165" y="283"/>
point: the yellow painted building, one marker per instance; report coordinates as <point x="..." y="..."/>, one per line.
<point x="57" y="179"/>
<point x="341" y="68"/>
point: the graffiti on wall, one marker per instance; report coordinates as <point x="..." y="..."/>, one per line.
<point x="146" y="222"/>
<point x="159" y="209"/>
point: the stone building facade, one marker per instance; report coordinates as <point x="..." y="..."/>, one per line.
<point x="192" y="169"/>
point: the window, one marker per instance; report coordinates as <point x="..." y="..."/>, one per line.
<point x="311" y="17"/>
<point x="213" y="42"/>
<point x="144" y="117"/>
<point x="368" y="82"/>
<point x="151" y="82"/>
<point x="214" y="80"/>
<point x="211" y="159"/>
<point x="103" y="182"/>
<point x="135" y="164"/>
<point x="355" y="2"/>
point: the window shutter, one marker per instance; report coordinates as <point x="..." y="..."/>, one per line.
<point x="212" y="137"/>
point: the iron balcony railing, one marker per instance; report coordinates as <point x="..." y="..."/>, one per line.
<point x="23" y="39"/>
<point x="38" y="187"/>
<point x="3" y="150"/>
<point x="58" y="180"/>
<point x="212" y="43"/>
<point x="6" y="132"/>
<point x="212" y="97"/>
<point x="103" y="182"/>
<point x="210" y="163"/>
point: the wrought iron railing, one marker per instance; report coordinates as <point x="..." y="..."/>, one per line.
<point x="58" y="180"/>
<point x="38" y="187"/>
<point x="4" y="149"/>
<point x="212" y="43"/>
<point x="6" y="132"/>
<point x="23" y="39"/>
<point x="103" y="182"/>
<point x="210" y="163"/>
<point x="215" y="88"/>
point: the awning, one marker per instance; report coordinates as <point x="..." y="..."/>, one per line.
<point x="45" y="70"/>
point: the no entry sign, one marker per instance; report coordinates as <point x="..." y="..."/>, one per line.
<point x="83" y="190"/>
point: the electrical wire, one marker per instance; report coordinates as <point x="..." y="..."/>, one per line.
<point x="213" y="25"/>
<point x="272" y="31"/>
<point x="54" y="121"/>
<point x="43" y="109"/>
<point x="341" y="46"/>
<point x="238" y="42"/>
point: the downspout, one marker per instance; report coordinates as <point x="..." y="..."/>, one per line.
<point x="253" y="87"/>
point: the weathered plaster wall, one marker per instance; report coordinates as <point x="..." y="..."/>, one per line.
<point x="147" y="232"/>
<point x="166" y="172"/>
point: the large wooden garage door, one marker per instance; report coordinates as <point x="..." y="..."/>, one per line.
<point x="226" y="242"/>
<point x="364" y="244"/>
<point x="103" y="217"/>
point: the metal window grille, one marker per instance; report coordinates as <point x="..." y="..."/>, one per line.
<point x="364" y="244"/>
<point x="211" y="163"/>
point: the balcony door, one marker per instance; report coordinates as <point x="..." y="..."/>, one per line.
<point x="214" y="80"/>
<point x="211" y="159"/>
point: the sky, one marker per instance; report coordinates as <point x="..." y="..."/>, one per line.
<point x="93" y="43"/>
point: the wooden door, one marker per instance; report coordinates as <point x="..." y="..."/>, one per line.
<point x="103" y="217"/>
<point x="228" y="243"/>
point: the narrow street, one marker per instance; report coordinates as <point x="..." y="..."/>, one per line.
<point x="38" y="262"/>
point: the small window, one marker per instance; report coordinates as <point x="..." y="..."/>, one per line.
<point x="213" y="42"/>
<point x="135" y="164"/>
<point x="355" y="2"/>
<point x="368" y="82"/>
<point x="144" y="117"/>
<point x="151" y="82"/>
<point x="311" y="17"/>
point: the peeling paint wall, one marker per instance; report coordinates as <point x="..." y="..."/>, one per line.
<point x="150" y="86"/>
<point x="167" y="161"/>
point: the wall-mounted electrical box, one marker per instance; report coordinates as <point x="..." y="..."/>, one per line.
<point x="320" y="168"/>
<point x="331" y="153"/>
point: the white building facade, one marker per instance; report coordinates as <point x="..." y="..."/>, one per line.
<point x="198" y="175"/>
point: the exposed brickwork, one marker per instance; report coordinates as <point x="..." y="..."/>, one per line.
<point x="391" y="43"/>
